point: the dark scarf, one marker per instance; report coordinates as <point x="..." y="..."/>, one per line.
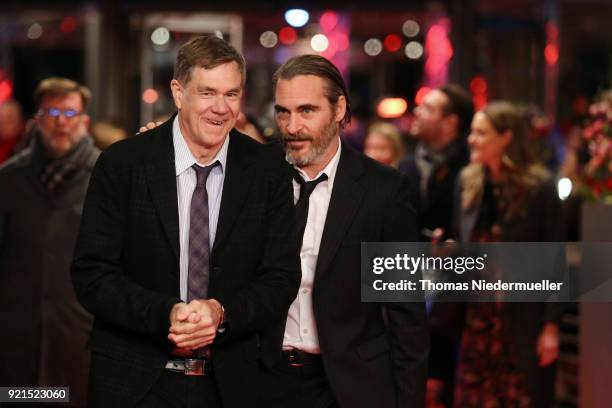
<point x="57" y="172"/>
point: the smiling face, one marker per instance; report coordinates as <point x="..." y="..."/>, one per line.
<point x="59" y="134"/>
<point x="487" y="145"/>
<point x="208" y="104"/>
<point x="309" y="124"/>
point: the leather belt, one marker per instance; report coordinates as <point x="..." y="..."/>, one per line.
<point x="190" y="366"/>
<point x="299" y="358"/>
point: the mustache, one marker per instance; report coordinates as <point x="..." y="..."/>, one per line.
<point x="296" y="138"/>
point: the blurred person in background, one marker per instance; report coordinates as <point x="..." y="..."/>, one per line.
<point x="508" y="350"/>
<point x="441" y="124"/>
<point x="107" y="132"/>
<point x="43" y="188"/>
<point x="248" y="125"/>
<point x="12" y="128"/>
<point x="383" y="143"/>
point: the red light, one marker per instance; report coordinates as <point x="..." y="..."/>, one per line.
<point x="68" y="25"/>
<point x="287" y="35"/>
<point x="392" y="42"/>
<point x="438" y="52"/>
<point x="343" y="42"/>
<point x="420" y="95"/>
<point x="6" y="90"/>
<point x="479" y="101"/>
<point x="150" y="96"/>
<point x="329" y="19"/>
<point x="331" y="50"/>
<point x="551" y="54"/>
<point x="478" y="85"/>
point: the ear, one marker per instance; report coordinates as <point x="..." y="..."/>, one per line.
<point x="177" y="92"/>
<point x="340" y="108"/>
<point x="86" y="120"/>
<point x="452" y="122"/>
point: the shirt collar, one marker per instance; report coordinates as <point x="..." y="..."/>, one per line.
<point x="183" y="158"/>
<point x="329" y="170"/>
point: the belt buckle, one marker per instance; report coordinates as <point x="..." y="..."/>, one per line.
<point x="194" y="366"/>
<point x="292" y="362"/>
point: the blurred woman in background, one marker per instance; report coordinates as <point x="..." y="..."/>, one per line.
<point x="384" y="144"/>
<point x="508" y="350"/>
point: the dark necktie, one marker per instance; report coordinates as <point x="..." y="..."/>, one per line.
<point x="199" y="238"/>
<point x="301" y="207"/>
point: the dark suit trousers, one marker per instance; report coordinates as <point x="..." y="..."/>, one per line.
<point x="284" y="386"/>
<point x="175" y="390"/>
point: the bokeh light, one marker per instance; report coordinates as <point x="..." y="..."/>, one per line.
<point x="373" y="47"/>
<point x="268" y="39"/>
<point x="297" y="17"/>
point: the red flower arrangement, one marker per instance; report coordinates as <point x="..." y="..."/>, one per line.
<point x="597" y="134"/>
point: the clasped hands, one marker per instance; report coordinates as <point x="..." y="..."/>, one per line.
<point x="194" y="325"/>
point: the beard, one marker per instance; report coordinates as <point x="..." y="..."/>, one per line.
<point x="318" y="146"/>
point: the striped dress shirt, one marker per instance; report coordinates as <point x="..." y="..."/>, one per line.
<point x="185" y="185"/>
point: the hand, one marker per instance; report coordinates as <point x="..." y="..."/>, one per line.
<point x="437" y="234"/>
<point x="194" y="325"/>
<point x="548" y="344"/>
<point x="149" y="126"/>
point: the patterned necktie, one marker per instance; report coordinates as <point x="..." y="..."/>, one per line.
<point x="199" y="237"/>
<point x="301" y="207"/>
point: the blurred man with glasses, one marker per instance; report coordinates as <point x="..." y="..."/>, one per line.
<point x="42" y="190"/>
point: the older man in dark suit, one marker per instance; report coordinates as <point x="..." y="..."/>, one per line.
<point x="336" y="350"/>
<point x="187" y="248"/>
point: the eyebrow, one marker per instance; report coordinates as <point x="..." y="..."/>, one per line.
<point x="280" y="108"/>
<point x="209" y="89"/>
<point x="308" y="106"/>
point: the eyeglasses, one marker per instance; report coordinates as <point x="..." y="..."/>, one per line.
<point x="54" y="112"/>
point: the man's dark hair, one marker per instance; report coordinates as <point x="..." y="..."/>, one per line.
<point x="206" y="51"/>
<point x="322" y="68"/>
<point x="460" y="104"/>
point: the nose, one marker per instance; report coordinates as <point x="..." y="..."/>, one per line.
<point x="61" y="119"/>
<point x="471" y="139"/>
<point x="294" y="125"/>
<point x="220" y="106"/>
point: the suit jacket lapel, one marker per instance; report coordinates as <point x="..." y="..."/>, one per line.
<point x="161" y="180"/>
<point x="235" y="187"/>
<point x="347" y="195"/>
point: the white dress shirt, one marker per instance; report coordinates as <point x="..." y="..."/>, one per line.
<point x="185" y="185"/>
<point x="301" y="329"/>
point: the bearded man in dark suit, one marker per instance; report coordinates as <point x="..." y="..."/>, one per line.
<point x="336" y="351"/>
